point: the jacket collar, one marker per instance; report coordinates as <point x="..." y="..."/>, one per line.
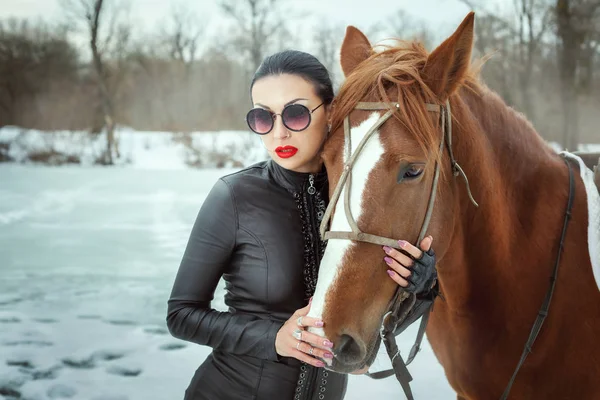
<point x="295" y="181"/>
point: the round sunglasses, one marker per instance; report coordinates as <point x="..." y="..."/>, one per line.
<point x="295" y="117"/>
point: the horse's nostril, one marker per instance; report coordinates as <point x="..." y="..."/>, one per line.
<point x="348" y="350"/>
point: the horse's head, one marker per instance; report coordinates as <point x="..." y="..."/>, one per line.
<point x="388" y="190"/>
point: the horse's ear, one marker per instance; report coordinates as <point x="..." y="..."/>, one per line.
<point x="447" y="65"/>
<point x="355" y="49"/>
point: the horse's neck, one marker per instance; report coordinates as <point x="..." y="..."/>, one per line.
<point x="520" y="186"/>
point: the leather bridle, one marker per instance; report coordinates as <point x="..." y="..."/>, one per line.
<point x="402" y="301"/>
<point x="346" y="178"/>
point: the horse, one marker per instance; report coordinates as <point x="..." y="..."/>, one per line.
<point x="510" y="218"/>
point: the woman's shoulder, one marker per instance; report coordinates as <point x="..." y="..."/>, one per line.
<point x="237" y="186"/>
<point x="257" y="170"/>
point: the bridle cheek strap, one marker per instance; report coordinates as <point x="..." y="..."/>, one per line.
<point x="345" y="181"/>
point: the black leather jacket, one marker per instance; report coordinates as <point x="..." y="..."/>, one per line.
<point x="258" y="228"/>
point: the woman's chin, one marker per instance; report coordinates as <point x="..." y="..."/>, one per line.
<point x="293" y="163"/>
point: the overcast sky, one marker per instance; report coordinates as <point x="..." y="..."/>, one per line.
<point x="148" y="16"/>
<point x="362" y="13"/>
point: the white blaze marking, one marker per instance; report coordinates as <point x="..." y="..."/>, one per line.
<point x="336" y="248"/>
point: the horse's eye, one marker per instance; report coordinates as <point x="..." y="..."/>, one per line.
<point x="410" y="171"/>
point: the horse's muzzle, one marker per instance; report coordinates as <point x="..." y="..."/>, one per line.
<point x="352" y="354"/>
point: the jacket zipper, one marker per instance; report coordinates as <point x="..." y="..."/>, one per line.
<point x="313" y="221"/>
<point x="311" y="182"/>
<point x="312" y="218"/>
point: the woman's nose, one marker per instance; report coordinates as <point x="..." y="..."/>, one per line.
<point x="279" y="130"/>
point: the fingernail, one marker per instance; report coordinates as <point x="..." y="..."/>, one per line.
<point x="387" y="249"/>
<point x="319" y="324"/>
<point x="402" y="243"/>
<point x="327" y="343"/>
<point x="387" y="260"/>
<point x="320" y="364"/>
<point x="328" y="355"/>
<point x="390" y="272"/>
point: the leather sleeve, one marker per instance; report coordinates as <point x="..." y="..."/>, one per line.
<point x="209" y="249"/>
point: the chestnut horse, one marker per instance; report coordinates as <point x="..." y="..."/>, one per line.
<point x="494" y="258"/>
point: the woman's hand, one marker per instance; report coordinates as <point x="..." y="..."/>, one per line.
<point x="416" y="271"/>
<point x="294" y="341"/>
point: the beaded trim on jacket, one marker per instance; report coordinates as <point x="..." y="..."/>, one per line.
<point x="311" y="207"/>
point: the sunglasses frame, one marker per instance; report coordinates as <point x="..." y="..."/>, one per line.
<point x="273" y="115"/>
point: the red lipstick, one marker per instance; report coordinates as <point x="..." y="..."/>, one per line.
<point x="286" y="151"/>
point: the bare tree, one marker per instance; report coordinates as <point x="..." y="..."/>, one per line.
<point x="328" y="38"/>
<point x="405" y="26"/>
<point x="494" y="35"/>
<point x="533" y="22"/>
<point x="575" y="27"/>
<point x="108" y="36"/>
<point x="259" y="24"/>
<point x="182" y="35"/>
<point x="589" y="63"/>
<point x="519" y="37"/>
<point x="35" y="59"/>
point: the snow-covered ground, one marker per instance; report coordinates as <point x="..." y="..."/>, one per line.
<point x="139" y="149"/>
<point x="87" y="259"/>
<point x="150" y="150"/>
<point x="88" y="255"/>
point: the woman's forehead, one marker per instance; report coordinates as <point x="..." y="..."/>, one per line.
<point x="278" y="90"/>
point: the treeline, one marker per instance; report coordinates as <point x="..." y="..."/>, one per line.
<point x="545" y="62"/>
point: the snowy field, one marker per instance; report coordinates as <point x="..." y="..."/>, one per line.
<point x="138" y="149"/>
<point x="149" y="150"/>
<point x="87" y="259"/>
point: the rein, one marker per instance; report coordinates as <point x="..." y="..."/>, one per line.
<point x="541" y="316"/>
<point x="403" y="302"/>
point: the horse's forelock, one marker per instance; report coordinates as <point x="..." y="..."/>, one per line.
<point x="397" y="70"/>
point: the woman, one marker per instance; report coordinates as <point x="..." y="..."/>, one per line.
<point x="258" y="228"/>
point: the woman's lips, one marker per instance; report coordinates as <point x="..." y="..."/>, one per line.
<point x="286" y="151"/>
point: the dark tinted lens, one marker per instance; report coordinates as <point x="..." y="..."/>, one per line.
<point x="296" y="117"/>
<point x="259" y="120"/>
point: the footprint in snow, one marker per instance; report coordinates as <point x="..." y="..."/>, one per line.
<point x="156" y="330"/>
<point x="108" y="355"/>
<point x="121" y="322"/>
<point x="89" y="316"/>
<point x="123" y="371"/>
<point x="34" y="343"/>
<point x="172" y="346"/>
<point x="9" y="320"/>
<point x="80" y="363"/>
<point x="46" y="320"/>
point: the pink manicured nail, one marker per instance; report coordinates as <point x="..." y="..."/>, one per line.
<point x="387" y="260"/>
<point x="320" y="364"/>
<point x="328" y="355"/>
<point x="390" y="272"/>
<point x="387" y="249"/>
<point x="327" y="343"/>
<point x="319" y="323"/>
<point x="402" y="243"/>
